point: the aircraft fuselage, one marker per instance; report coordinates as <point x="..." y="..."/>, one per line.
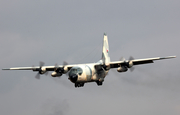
<point x="86" y="73"/>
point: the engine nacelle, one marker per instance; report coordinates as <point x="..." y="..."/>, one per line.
<point x="42" y="70"/>
<point x="130" y="64"/>
<point x="122" y="69"/>
<point x="65" y="69"/>
<point x="108" y="66"/>
<point x="56" y="74"/>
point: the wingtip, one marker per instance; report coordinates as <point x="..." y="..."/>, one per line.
<point x="172" y="56"/>
<point x="168" y="57"/>
<point x="5" y="69"/>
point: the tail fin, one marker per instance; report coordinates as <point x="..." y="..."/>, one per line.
<point x="105" y="52"/>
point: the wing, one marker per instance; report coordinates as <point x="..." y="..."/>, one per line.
<point x="117" y="64"/>
<point x="37" y="68"/>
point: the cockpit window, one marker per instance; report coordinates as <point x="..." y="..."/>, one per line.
<point x="76" y="71"/>
<point x="79" y="70"/>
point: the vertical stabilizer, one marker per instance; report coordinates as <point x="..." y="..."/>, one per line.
<point x="105" y="53"/>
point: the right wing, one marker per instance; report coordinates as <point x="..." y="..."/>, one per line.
<point x="36" y="68"/>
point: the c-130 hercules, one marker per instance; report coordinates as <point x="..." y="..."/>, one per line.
<point x="79" y="74"/>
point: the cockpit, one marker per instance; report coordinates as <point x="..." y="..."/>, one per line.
<point x="76" y="70"/>
<point x="74" y="73"/>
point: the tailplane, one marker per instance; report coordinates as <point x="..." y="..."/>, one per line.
<point x="105" y="52"/>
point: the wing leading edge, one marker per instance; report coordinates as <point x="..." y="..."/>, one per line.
<point x="48" y="68"/>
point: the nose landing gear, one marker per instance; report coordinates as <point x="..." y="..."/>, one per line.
<point x="78" y="84"/>
<point x="99" y="83"/>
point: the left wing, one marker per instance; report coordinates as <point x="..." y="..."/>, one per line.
<point x="130" y="63"/>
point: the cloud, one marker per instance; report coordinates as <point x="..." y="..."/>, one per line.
<point x="55" y="107"/>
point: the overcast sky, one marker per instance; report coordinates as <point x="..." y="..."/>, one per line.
<point x="54" y="31"/>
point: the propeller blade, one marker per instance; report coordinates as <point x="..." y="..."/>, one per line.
<point x="46" y="73"/>
<point x="39" y="70"/>
<point x="122" y="59"/>
<point x="132" y="68"/>
<point x="41" y="63"/>
<point x="65" y="63"/>
<point x="131" y="58"/>
<point x="55" y="67"/>
<point x="37" y="76"/>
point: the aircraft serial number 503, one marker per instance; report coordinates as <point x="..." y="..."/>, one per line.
<point x="79" y="74"/>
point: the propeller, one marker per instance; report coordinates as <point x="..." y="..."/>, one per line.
<point x="128" y="63"/>
<point x="55" y="67"/>
<point x="37" y="76"/>
<point x="61" y="69"/>
<point x="131" y="68"/>
<point x="64" y="64"/>
<point x="40" y="71"/>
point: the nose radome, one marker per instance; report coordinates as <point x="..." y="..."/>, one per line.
<point x="73" y="77"/>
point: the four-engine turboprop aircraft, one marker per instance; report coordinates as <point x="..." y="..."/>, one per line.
<point x="79" y="74"/>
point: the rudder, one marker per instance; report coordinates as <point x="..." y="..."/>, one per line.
<point x="105" y="52"/>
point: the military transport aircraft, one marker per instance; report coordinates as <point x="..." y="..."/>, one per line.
<point x="79" y="74"/>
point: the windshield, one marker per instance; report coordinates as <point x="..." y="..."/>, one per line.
<point x="75" y="71"/>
